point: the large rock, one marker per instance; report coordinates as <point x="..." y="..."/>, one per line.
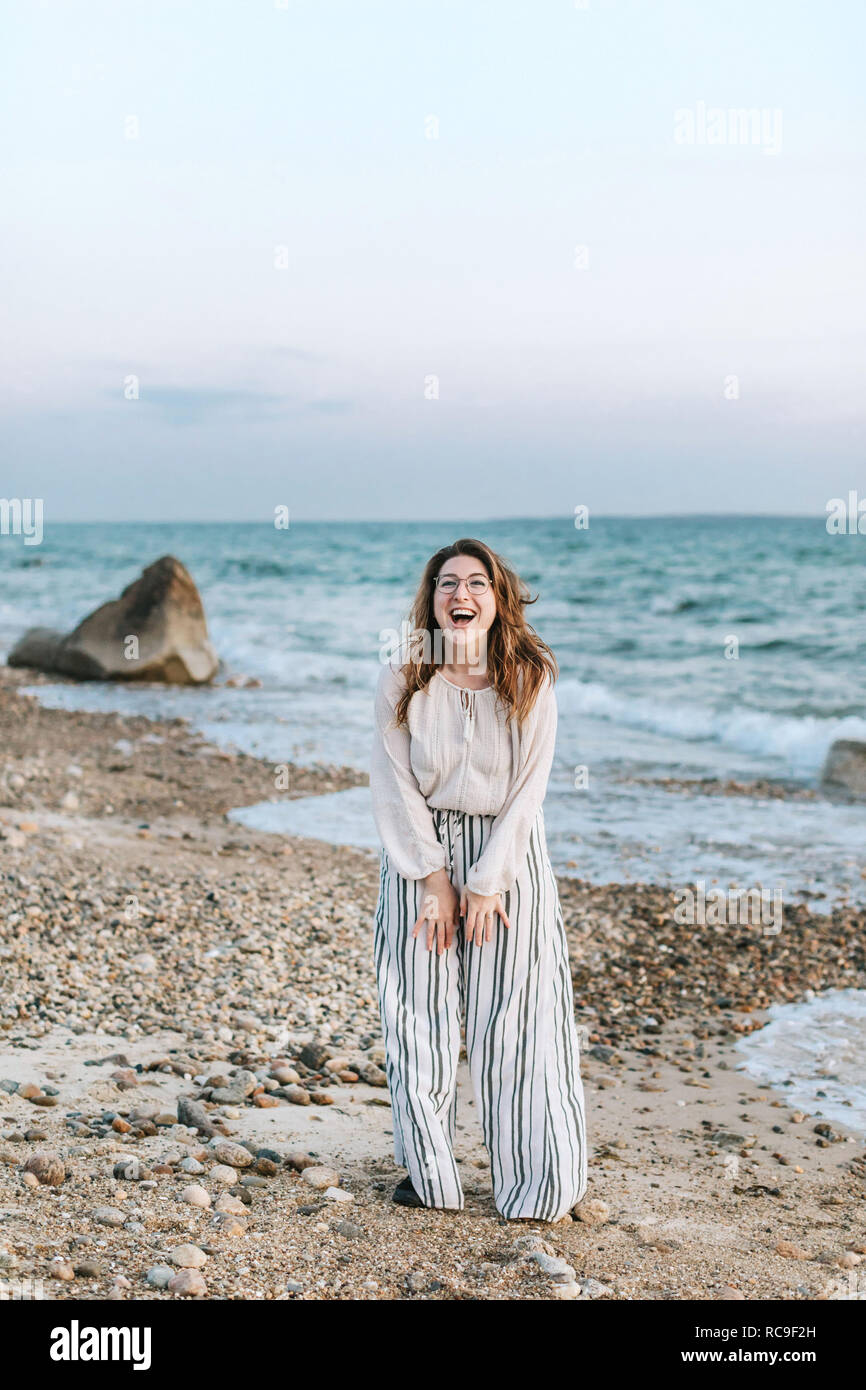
<point x="161" y="609"/>
<point x="845" y="767"/>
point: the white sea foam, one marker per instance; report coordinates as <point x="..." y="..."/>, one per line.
<point x="801" y="744"/>
<point x="812" y="1046"/>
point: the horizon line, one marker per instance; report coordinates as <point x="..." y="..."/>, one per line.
<point x="438" y="521"/>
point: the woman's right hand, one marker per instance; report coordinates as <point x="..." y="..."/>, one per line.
<point x="440" y="911"/>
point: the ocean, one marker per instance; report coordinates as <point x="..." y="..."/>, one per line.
<point x="703" y="650"/>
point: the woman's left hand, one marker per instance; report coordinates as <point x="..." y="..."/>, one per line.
<point x="479" y="912"/>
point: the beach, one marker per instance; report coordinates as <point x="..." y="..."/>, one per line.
<point x="155" y="952"/>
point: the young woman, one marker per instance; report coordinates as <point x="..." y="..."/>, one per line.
<point x="458" y="773"/>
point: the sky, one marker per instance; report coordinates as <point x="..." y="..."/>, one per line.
<point x="413" y="260"/>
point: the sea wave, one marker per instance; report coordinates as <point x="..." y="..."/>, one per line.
<point x="802" y="743"/>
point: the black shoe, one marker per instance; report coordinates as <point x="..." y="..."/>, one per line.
<point x="405" y="1195"/>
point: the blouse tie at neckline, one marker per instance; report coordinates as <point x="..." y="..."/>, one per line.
<point x="467" y="700"/>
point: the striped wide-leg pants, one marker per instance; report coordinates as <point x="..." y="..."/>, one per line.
<point x="515" y="994"/>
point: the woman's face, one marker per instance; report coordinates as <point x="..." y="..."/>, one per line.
<point x="462" y="610"/>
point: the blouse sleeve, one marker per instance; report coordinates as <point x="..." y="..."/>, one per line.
<point x="403" y="818"/>
<point x="508" y="843"/>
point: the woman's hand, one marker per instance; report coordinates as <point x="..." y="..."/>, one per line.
<point x="479" y="912"/>
<point x="439" y="913"/>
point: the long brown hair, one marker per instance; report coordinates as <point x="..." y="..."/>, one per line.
<point x="518" y="661"/>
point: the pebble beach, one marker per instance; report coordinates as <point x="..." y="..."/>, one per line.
<point x="192" y="1095"/>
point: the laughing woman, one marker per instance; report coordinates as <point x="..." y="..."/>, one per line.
<point x="458" y="773"/>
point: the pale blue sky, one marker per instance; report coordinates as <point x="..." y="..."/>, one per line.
<point x="304" y="127"/>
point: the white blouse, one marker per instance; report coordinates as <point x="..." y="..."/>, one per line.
<point x="458" y="754"/>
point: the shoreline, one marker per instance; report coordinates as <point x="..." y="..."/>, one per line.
<point x="244" y="947"/>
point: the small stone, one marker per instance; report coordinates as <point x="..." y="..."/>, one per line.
<point x="227" y="1095"/>
<point x="727" y="1139"/>
<point x="131" y="1170"/>
<point x="791" y="1251"/>
<point x="530" y="1243"/>
<point x="265" y="1102"/>
<point x="87" y="1269"/>
<point x="300" y="1161"/>
<point x="188" y="1256"/>
<point x="559" y="1270"/>
<point x="189" y="1283"/>
<point x="234" y="1155"/>
<point x="338" y="1194"/>
<point x="592" y="1212"/>
<point x="592" y="1288"/>
<point x="46" y="1167"/>
<point x="296" y="1095"/>
<point x="230" y="1225"/>
<point x="321" y="1177"/>
<point x="61" y="1269"/>
<point x="270" y="1155"/>
<point x="125" y="1077"/>
<point x="285" y="1075"/>
<point x="729" y="1294"/>
<point x="373" y="1075"/>
<point x="193" y="1114"/>
<point x="315" y="1054"/>
<point x="225" y="1202"/>
<point x="350" y="1229"/>
<point x="108" y="1216"/>
<point x="195" y="1195"/>
<point x="191" y="1165"/>
<point x="221" y="1173"/>
<point x="419" y="1282"/>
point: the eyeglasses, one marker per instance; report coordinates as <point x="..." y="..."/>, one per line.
<point x="476" y="583"/>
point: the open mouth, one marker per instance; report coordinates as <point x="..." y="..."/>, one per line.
<point x="461" y="617"/>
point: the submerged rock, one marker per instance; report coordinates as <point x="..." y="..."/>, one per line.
<point x="845" y="767"/>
